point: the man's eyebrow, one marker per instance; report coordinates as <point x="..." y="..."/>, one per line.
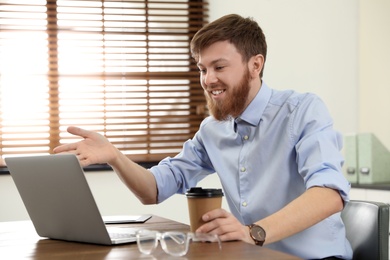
<point x="213" y="62"/>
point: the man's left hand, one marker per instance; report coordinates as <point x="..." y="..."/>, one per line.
<point x="225" y="225"/>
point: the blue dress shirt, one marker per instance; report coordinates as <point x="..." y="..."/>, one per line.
<point x="282" y="144"/>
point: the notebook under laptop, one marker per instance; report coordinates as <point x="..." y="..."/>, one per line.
<point x="59" y="201"/>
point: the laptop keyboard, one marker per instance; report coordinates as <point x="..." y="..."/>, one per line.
<point x="121" y="235"/>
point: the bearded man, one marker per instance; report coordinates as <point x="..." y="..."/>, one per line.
<point x="275" y="152"/>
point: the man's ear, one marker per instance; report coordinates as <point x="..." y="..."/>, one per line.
<point x="256" y="65"/>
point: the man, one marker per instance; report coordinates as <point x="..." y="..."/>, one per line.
<point x="275" y="152"/>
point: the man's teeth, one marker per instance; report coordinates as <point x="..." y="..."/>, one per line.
<point x="216" y="92"/>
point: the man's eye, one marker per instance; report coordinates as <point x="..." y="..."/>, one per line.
<point x="219" y="67"/>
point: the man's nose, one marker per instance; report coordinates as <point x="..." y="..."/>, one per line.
<point x="209" y="78"/>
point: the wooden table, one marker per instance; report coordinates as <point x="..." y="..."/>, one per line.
<point x="19" y="240"/>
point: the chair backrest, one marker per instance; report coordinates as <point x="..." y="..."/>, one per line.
<point x="367" y="227"/>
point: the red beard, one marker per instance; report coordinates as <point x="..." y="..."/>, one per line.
<point x="234" y="102"/>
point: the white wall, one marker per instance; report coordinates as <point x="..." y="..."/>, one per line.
<point x="374" y="69"/>
<point x="312" y="47"/>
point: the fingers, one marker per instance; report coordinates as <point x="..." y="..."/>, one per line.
<point x="79" y="131"/>
<point x="223" y="224"/>
<point x="214" y="214"/>
<point x="80" y="149"/>
<point x="72" y="146"/>
<point x="213" y="219"/>
<point x="83" y="161"/>
<point x="72" y="149"/>
<point x="66" y="148"/>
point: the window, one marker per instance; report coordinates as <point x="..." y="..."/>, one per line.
<point x="121" y="68"/>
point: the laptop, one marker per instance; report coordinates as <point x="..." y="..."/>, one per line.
<point x="60" y="203"/>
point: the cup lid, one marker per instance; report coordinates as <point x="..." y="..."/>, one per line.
<point x="199" y="192"/>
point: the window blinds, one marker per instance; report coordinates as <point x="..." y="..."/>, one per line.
<point x="121" y="68"/>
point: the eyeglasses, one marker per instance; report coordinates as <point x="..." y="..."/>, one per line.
<point x="173" y="243"/>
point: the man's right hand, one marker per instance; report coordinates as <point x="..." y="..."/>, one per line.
<point x="93" y="149"/>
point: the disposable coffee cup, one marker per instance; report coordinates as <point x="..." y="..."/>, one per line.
<point x="201" y="201"/>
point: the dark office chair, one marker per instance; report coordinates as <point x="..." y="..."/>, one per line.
<point x="367" y="226"/>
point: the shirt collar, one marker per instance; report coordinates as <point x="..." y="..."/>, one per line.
<point x="253" y="113"/>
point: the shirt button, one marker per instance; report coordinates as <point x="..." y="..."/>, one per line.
<point x="244" y="204"/>
<point x="246" y="137"/>
<point x="243" y="169"/>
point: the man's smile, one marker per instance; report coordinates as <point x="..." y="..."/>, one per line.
<point x="217" y="92"/>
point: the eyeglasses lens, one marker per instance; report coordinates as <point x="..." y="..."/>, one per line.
<point x="175" y="243"/>
<point x="147" y="241"/>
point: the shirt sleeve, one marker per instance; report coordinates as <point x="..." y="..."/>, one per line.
<point x="318" y="147"/>
<point x="177" y="174"/>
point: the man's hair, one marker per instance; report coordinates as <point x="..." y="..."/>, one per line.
<point x="244" y="33"/>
